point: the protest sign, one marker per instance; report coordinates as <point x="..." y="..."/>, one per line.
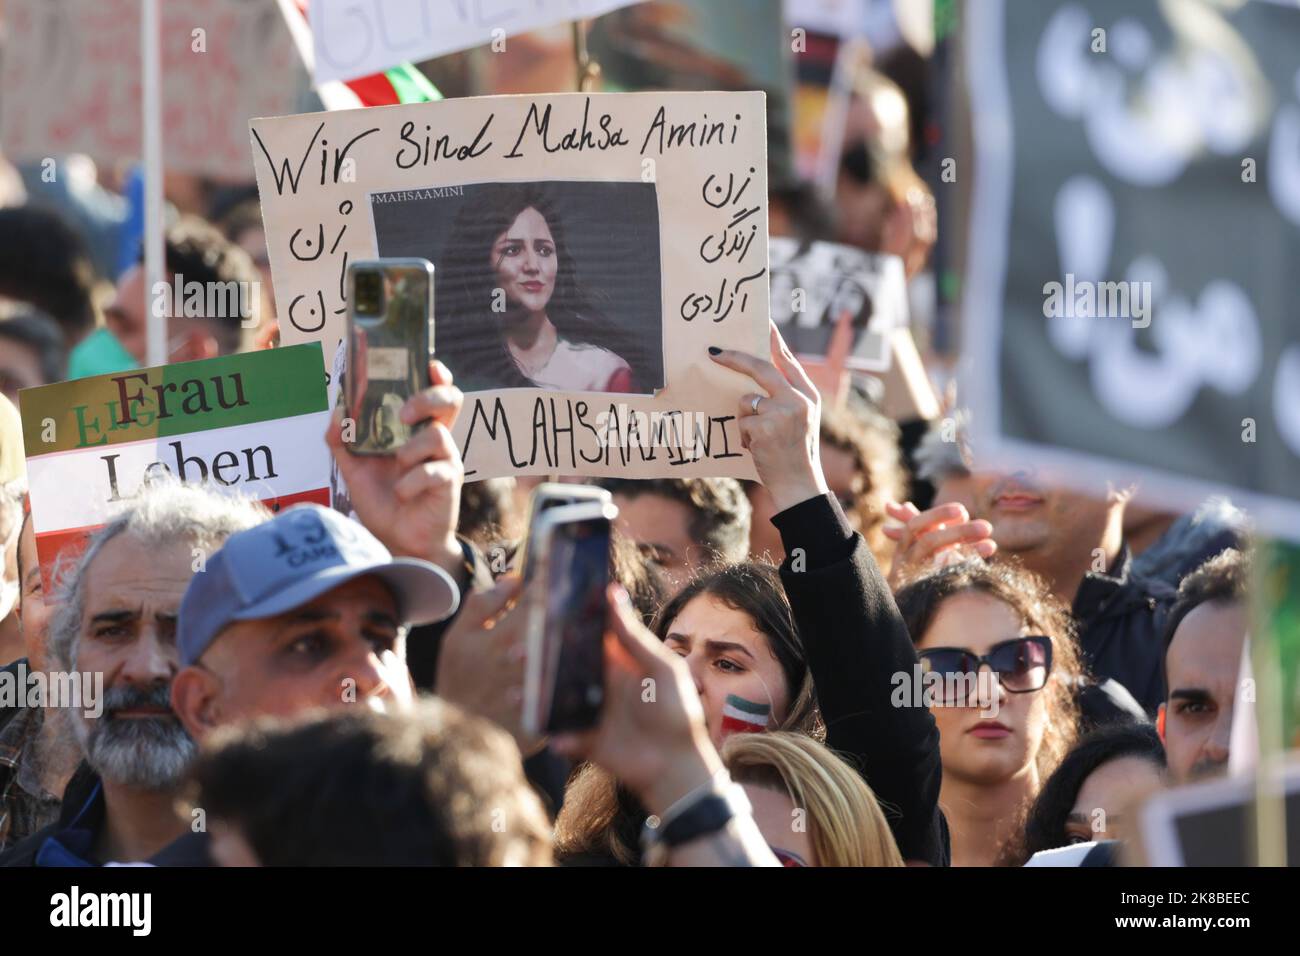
<point x="813" y="284"/>
<point x="71" y="80"/>
<point x="368" y="36"/>
<point x="633" y="225"/>
<point x="1130" y="294"/>
<point x="252" y="424"/>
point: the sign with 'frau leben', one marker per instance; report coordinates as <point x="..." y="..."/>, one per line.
<point x="250" y="424"/>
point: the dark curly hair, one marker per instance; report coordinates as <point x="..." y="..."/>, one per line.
<point x="720" y="510"/>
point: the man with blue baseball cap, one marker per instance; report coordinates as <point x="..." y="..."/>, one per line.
<point x="306" y="611"/>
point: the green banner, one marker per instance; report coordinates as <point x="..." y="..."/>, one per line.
<point x="171" y="400"/>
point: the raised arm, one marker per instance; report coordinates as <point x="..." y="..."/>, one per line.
<point x="854" y="637"/>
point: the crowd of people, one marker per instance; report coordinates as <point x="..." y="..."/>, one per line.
<point x="882" y="652"/>
<point x="279" y="692"/>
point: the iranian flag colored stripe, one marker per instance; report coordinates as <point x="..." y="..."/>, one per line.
<point x="743" y="716"/>
<point x="67" y="545"/>
<point x="173" y="400"/>
<point x="400" y="84"/>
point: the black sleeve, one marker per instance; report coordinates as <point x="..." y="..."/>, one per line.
<point x="423" y="643"/>
<point x="856" y="641"/>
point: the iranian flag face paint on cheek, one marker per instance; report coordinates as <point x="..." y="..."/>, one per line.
<point x="741" y="716"/>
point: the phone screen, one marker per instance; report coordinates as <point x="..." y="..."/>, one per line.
<point x="540" y="505"/>
<point x="574" y="631"/>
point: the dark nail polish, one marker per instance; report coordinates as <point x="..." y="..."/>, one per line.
<point x="714" y="350"/>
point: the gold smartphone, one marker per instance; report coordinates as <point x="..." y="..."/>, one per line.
<point x="390" y="345"/>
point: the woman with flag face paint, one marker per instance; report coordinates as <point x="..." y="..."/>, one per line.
<point x="735" y="630"/>
<point x="758" y="640"/>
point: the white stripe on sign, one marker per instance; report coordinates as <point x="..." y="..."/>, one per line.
<point x="265" y="460"/>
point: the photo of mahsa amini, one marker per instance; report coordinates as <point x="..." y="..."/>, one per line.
<point x="511" y="311"/>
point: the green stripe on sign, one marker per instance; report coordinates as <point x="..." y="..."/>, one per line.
<point x="410" y="85"/>
<point x="176" y="399"/>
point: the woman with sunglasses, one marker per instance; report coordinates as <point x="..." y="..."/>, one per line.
<point x="998" y="666"/>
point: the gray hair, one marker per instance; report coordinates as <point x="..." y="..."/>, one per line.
<point x="163" y="513"/>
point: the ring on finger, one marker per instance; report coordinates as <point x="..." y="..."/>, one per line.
<point x="753" y="404"/>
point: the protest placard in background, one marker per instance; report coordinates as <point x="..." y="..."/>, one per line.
<point x="1131" y="289"/>
<point x="71" y="80"/>
<point x="252" y="424"/>
<point x="368" y="36"/>
<point x="813" y="284"/>
<point x="672" y="188"/>
<point x="841" y="18"/>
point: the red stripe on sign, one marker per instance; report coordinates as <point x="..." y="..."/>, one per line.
<point x="375" y="90"/>
<point x="317" y="496"/>
<point x="51" y="545"/>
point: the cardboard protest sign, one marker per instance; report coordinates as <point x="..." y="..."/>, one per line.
<point x="359" y="38"/>
<point x="71" y="80"/>
<point x="251" y="423"/>
<point x="813" y="284"/>
<point x="588" y="250"/>
<point x="1130" y="285"/>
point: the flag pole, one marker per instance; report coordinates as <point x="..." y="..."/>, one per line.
<point x="151" y="122"/>
<point x="588" y="70"/>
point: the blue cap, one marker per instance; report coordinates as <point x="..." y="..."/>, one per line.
<point x="291" y="560"/>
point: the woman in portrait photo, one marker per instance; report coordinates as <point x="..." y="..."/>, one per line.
<point x="510" y="309"/>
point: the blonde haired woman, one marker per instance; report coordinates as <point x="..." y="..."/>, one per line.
<point x="812" y="808"/>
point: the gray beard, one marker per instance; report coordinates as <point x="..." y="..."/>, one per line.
<point x="148" y="753"/>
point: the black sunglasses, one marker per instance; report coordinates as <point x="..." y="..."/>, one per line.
<point x="1021" y="665"/>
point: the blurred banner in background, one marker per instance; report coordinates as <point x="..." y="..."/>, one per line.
<point x="71" y="80"/>
<point x="699" y="45"/>
<point x="360" y="38"/>
<point x="1130" y="307"/>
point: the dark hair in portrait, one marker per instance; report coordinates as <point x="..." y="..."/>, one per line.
<point x="600" y="296"/>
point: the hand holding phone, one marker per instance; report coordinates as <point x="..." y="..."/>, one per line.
<point x="410" y="499"/>
<point x="389" y="347"/>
